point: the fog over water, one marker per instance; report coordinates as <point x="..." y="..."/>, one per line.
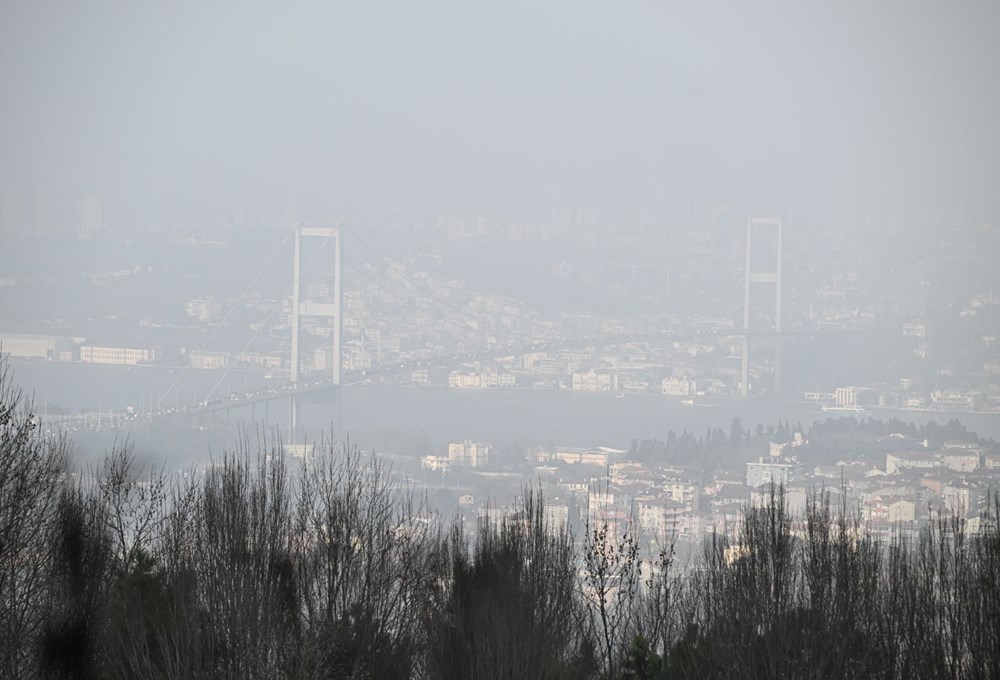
<point x="438" y="415"/>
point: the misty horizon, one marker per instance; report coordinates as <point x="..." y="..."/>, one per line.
<point x="185" y="112"/>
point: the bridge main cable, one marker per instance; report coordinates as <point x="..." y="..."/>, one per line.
<point x="228" y="314"/>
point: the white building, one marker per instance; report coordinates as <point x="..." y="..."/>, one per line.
<point x="679" y="387"/>
<point x="203" y="309"/>
<point x="684" y="491"/>
<point x="124" y="356"/>
<point x="602" y="456"/>
<point x="595" y="381"/>
<point x="464" y="381"/>
<point x="506" y="380"/>
<point x="212" y="361"/>
<point x="777" y="470"/>
<point x="91" y="220"/>
<point x="52" y="347"/>
<point x="795" y="499"/>
<point x="473" y="454"/>
<point x="436" y="463"/>
<point x="910" y="460"/>
<point x="660" y="516"/>
<point x="846" y="397"/>
<point x="268" y="362"/>
<point x="961" y="460"/>
<point x="953" y="399"/>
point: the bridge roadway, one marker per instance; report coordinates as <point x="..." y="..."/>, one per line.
<point x="315" y="385"/>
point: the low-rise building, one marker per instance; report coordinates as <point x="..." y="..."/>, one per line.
<point x="601" y="456"/>
<point x="953" y="399"/>
<point x="595" y="381"/>
<point x="436" y="463"/>
<point x="679" y="387"/>
<point x="210" y="360"/>
<point x="960" y="460"/>
<point x="910" y="460"/>
<point x="122" y="356"/>
<point x="890" y="508"/>
<point x="464" y="381"/>
<point x="52" y="347"/>
<point x="203" y="309"/>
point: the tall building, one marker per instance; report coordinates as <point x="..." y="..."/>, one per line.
<point x="847" y="396"/>
<point x="10" y="209"/>
<point x="44" y="213"/>
<point x="777" y="470"/>
<point x="474" y="454"/>
<point x="91" y="221"/>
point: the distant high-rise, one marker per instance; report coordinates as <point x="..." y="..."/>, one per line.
<point x="239" y="215"/>
<point x="10" y="209"/>
<point x="44" y="215"/>
<point x="90" y="216"/>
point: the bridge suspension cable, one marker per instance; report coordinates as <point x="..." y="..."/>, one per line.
<point x="221" y="323"/>
<point x="419" y="290"/>
<point x="274" y="309"/>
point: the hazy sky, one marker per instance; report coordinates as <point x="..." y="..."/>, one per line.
<point x="169" y="109"/>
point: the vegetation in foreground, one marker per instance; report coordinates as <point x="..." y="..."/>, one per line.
<point x="332" y="570"/>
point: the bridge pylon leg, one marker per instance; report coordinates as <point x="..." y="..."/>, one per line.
<point x="338" y="414"/>
<point x="779" y="351"/>
<point x="745" y="369"/>
<point x="769" y="274"/>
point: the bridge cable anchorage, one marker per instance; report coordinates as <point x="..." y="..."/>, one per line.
<point x="269" y="316"/>
<point x="423" y="289"/>
<point x="228" y="314"/>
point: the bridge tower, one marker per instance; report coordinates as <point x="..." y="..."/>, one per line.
<point x="302" y="308"/>
<point x="770" y="274"/>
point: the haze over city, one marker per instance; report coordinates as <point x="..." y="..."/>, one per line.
<point x="177" y="113"/>
<point x="602" y="280"/>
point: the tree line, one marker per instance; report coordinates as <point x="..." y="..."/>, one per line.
<point x="332" y="568"/>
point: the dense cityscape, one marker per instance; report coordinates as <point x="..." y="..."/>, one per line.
<point x="668" y="322"/>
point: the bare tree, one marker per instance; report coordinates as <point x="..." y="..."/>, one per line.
<point x="79" y="580"/>
<point x="507" y="605"/>
<point x="610" y="585"/>
<point x="135" y="505"/>
<point x="362" y="545"/>
<point x="32" y="472"/>
<point x="243" y="566"/>
<point x="660" y="613"/>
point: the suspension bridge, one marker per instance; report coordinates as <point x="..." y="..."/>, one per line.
<point x="497" y="342"/>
